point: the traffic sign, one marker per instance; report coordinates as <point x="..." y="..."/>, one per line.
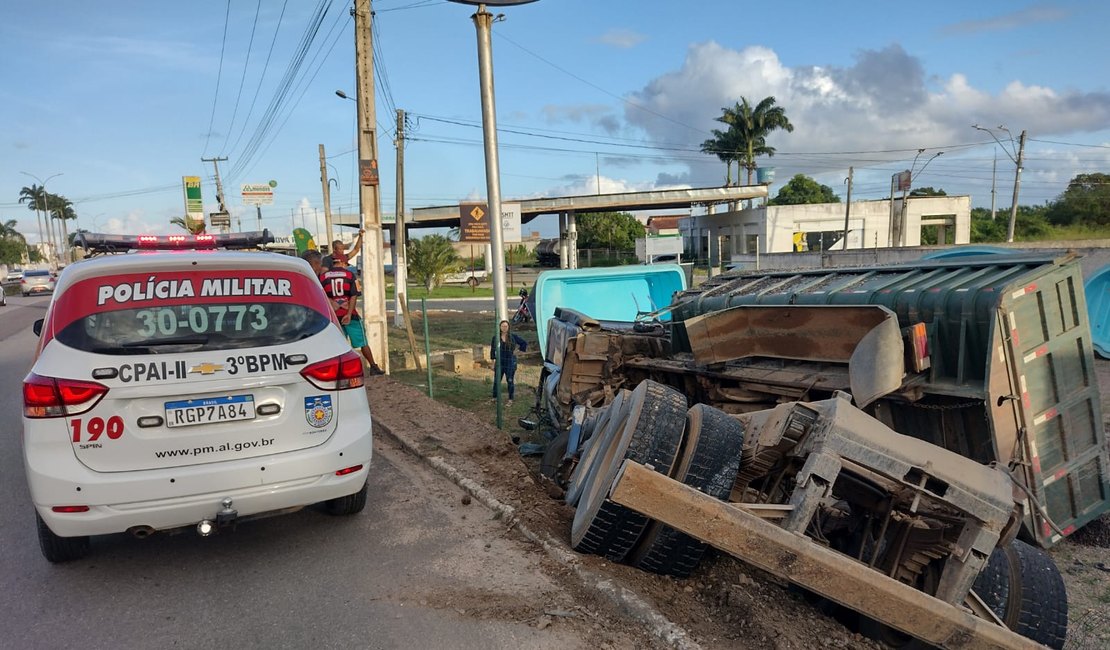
<point x="474" y="222"/>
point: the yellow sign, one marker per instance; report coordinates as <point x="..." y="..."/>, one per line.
<point x="477" y="213"/>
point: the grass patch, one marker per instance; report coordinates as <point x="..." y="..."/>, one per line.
<point x="417" y="291"/>
<point x="469" y="391"/>
<point x="1077" y="232"/>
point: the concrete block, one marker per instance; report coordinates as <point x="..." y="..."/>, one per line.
<point x="481" y="353"/>
<point x="402" y="360"/>
<point x="457" y="363"/>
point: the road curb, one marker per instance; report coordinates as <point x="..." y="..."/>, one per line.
<point x="623" y="598"/>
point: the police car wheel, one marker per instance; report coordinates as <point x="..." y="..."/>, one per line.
<point x="352" y="504"/>
<point x="58" y="549"/>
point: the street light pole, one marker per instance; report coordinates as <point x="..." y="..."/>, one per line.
<point x="1017" y="174"/>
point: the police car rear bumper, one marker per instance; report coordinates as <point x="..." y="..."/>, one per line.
<point x="182" y="496"/>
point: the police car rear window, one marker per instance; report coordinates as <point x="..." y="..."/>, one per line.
<point x="189" y="311"/>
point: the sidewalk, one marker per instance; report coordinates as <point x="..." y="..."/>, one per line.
<point x="483" y="462"/>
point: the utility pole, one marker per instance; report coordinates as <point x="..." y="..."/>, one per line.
<point x="219" y="189"/>
<point x="848" y="207"/>
<point x="400" y="268"/>
<point x="373" y="285"/>
<point x="994" y="179"/>
<point x="1017" y="186"/>
<point x="327" y="197"/>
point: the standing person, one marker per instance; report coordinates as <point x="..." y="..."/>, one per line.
<point x="509" y="344"/>
<point x="339" y="286"/>
<point x="339" y="256"/>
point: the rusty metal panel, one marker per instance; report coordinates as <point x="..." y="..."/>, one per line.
<point x="799" y="560"/>
<point x="811" y="333"/>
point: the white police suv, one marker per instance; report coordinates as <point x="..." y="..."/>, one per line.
<point x="194" y="387"/>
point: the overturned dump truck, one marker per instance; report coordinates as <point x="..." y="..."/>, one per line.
<point x="879" y="437"/>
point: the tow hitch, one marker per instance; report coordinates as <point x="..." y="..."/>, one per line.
<point x="225" y="518"/>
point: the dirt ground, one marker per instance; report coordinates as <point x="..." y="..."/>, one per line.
<point x="725" y="604"/>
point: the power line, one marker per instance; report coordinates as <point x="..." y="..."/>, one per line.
<point x="243" y="78"/>
<point x="262" y="77"/>
<point x="599" y="88"/>
<point x="219" y="75"/>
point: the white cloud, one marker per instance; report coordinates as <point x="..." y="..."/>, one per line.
<point x="622" y="38"/>
<point x="884" y="102"/>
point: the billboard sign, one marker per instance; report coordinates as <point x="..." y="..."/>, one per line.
<point x="474" y="222"/>
<point x="194" y="203"/>
<point x="257" y="194"/>
<point x="510" y="223"/>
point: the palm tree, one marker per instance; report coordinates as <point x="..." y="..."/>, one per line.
<point x="430" y="258"/>
<point x="36" y="199"/>
<point x="746" y="137"/>
<point x="194" y="227"/>
<point x="8" y="230"/>
<point x="61" y="209"/>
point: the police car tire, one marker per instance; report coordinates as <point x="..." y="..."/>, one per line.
<point x="708" y="462"/>
<point x="58" y="549"/>
<point x="352" y="504"/>
<point x="650" y="436"/>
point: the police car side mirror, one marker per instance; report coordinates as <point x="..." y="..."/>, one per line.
<point x="37" y="327"/>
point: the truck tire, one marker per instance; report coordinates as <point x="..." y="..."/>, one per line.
<point x="58" y="549"/>
<point x="1022" y="586"/>
<point x="603" y="433"/>
<point x="650" y="436"/>
<point x="709" y="462"/>
<point x="472" y="282"/>
<point x="1037" y="607"/>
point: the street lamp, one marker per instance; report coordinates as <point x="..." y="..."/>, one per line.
<point x="342" y="94"/>
<point x="45" y="212"/>
<point x="1016" y="158"/>
<point x="483" y="25"/>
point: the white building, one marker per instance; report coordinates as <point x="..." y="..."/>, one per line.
<point x="813" y="227"/>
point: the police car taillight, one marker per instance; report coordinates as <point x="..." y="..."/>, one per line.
<point x="337" y="373"/>
<point x="48" y="397"/>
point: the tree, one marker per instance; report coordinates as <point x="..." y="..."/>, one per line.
<point x="36" y="199"/>
<point x="927" y="191"/>
<point x="802" y="189"/>
<point x="746" y="136"/>
<point x="195" y="227"/>
<point x="430" y="258"/>
<point x="61" y="209"/>
<point x="613" y="230"/>
<point x="13" y="247"/>
<point x="1086" y="201"/>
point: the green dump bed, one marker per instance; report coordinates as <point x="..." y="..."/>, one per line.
<point x="1012" y="378"/>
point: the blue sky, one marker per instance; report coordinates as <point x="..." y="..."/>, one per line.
<point x="119" y="97"/>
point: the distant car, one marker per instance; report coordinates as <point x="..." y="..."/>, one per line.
<point x="13" y="276"/>
<point x="189" y="389"/>
<point x="36" y="281"/>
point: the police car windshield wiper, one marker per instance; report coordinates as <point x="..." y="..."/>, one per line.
<point x="181" y="340"/>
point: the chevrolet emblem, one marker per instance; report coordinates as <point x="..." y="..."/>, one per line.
<point x="206" y="368"/>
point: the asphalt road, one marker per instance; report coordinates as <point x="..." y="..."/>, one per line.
<point x="414" y="570"/>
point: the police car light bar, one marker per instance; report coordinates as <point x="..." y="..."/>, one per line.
<point x="105" y="243"/>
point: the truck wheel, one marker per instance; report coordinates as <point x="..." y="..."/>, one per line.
<point x="651" y="433"/>
<point x="472" y="282"/>
<point x="992" y="585"/>
<point x="60" y="549"/>
<point x="709" y="462"/>
<point x="1037" y="607"/>
<point x="352" y="504"/>
<point x="602" y="436"/>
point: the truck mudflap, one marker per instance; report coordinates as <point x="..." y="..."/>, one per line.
<point x="867" y="338"/>
<point x="1046" y="406"/>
